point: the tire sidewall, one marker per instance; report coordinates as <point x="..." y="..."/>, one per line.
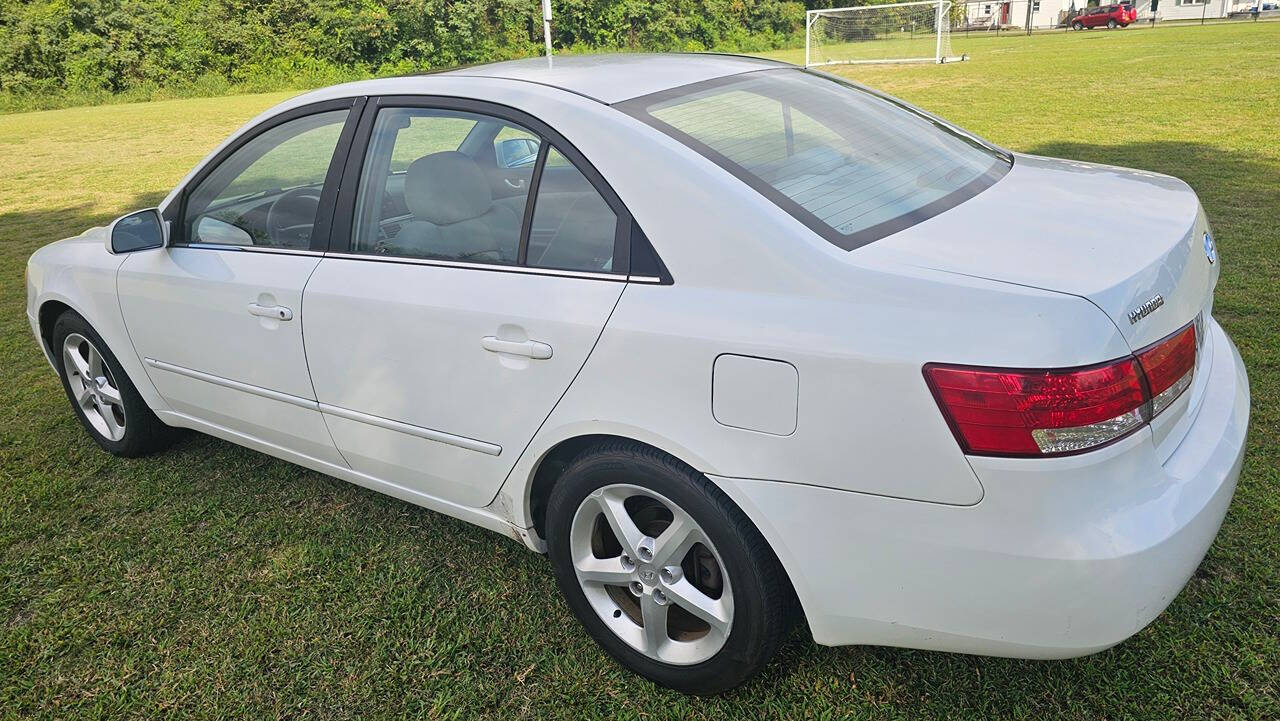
<point x="748" y="638"/>
<point x="135" y="409"/>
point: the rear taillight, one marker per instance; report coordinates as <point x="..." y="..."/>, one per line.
<point x="1169" y="366"/>
<point x="1016" y="412"/>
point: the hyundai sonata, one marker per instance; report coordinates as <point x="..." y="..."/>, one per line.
<point x="729" y="340"/>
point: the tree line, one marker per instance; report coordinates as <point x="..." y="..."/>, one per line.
<point x="50" y="47"/>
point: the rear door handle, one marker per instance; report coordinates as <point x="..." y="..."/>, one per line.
<point x="529" y="348"/>
<point x="277" y="312"/>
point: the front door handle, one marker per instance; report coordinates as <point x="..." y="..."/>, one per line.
<point x="529" y="348"/>
<point x="278" y="312"/>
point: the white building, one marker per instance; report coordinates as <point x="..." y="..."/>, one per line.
<point x="1053" y="13"/>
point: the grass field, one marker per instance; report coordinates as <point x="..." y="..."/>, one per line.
<point x="214" y="582"/>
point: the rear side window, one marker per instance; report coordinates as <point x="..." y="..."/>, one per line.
<point x="573" y="227"/>
<point x="852" y="165"/>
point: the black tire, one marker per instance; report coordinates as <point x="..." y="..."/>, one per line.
<point x="761" y="594"/>
<point x="1077" y="26"/>
<point x="1112" y="24"/>
<point x="144" y="433"/>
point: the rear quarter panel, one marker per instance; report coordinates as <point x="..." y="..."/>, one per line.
<point x="751" y="280"/>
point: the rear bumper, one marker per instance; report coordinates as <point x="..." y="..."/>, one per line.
<point x="1062" y="557"/>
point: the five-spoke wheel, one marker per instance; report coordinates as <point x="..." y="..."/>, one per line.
<point x="651" y="574"/>
<point x="663" y="570"/>
<point x="93" y="386"/>
<point x="104" y="399"/>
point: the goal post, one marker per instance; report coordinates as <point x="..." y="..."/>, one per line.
<point x="905" y="32"/>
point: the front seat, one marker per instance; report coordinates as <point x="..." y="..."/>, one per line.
<point x="454" y="216"/>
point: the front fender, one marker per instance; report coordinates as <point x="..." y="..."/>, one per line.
<point x="80" y="274"/>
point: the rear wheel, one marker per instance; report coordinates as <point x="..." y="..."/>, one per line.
<point x="102" y="396"/>
<point x="663" y="570"/>
<point x="1112" y="24"/>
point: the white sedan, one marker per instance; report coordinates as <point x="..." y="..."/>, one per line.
<point x="729" y="340"/>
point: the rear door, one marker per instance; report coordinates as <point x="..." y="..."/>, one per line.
<point x="441" y="329"/>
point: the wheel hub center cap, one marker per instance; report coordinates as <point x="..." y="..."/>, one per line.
<point x="648" y="576"/>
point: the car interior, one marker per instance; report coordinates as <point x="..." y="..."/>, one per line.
<point x="468" y="204"/>
<point x="424" y="194"/>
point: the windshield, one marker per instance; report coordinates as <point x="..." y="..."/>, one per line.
<point x="851" y="164"/>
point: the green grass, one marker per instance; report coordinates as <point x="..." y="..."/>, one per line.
<point x="212" y="581"/>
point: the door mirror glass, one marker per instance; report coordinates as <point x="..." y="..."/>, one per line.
<point x="516" y="152"/>
<point x="137" y="231"/>
<point x="219" y="232"/>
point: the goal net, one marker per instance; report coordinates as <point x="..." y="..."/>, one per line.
<point x="907" y="32"/>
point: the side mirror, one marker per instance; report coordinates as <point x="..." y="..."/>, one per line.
<point x="142" y="230"/>
<point x="220" y="232"/>
<point x="516" y="152"/>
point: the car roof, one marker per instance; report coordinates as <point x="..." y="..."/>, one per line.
<point x="614" y="77"/>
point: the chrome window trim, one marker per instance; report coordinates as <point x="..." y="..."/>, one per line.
<point x="248" y="249"/>
<point x="463" y="265"/>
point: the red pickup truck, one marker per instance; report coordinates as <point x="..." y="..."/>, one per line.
<point x="1113" y="16"/>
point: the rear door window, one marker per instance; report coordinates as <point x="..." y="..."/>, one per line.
<point x="460" y="186"/>
<point x="422" y="196"/>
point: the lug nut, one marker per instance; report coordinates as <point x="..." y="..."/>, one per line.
<point x="627" y="563"/>
<point x="637" y="589"/>
<point x="670" y="574"/>
<point x="659" y="597"/>
<point x="645" y="553"/>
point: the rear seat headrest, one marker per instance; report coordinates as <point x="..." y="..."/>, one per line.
<point x="446" y="188"/>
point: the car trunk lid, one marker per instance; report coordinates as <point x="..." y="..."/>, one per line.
<point x="1133" y="243"/>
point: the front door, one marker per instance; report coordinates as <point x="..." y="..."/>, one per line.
<point x="217" y="316"/>
<point x="459" y="314"/>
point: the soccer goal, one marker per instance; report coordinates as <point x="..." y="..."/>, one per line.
<point x="907" y="32"/>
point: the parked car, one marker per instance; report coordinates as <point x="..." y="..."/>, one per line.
<point x="1112" y="16"/>
<point x="742" y="339"/>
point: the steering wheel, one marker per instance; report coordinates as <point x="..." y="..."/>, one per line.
<point x="292" y="216"/>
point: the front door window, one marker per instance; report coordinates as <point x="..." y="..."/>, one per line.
<point x="267" y="193"/>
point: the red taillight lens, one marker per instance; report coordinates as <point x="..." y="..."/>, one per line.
<point x="1169" y="366"/>
<point x="1038" y="412"/>
<point x="1006" y="412"/>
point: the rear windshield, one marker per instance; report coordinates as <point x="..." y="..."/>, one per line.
<point x="851" y="164"/>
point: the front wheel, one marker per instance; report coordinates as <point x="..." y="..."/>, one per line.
<point x="102" y="396"/>
<point x="663" y="570"/>
<point x="1112" y="24"/>
<point x="1077" y="26"/>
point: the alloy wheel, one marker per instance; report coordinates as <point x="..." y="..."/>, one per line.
<point x="94" y="388"/>
<point x="651" y="573"/>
